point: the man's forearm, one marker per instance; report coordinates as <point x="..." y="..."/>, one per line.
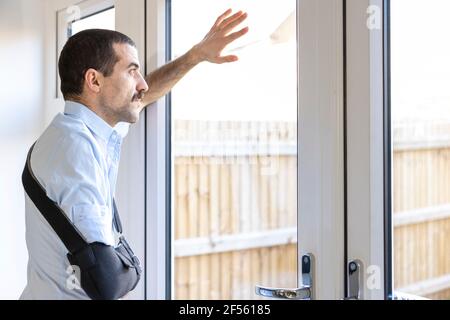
<point x="162" y="80"/>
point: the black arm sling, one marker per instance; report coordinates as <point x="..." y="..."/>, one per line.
<point x="105" y="272"/>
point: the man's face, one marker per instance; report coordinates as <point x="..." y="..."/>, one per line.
<point x="122" y="92"/>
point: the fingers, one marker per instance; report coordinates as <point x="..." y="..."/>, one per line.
<point x="228" y="20"/>
<point x="227" y="59"/>
<point x="231" y="24"/>
<point x="222" y="17"/>
<point x="236" y="35"/>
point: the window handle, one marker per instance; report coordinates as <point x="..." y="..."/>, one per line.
<point x="305" y="292"/>
<point x="354" y="280"/>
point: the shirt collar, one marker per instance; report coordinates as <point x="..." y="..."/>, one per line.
<point x="96" y="124"/>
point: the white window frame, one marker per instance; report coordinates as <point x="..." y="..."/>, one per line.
<point x="158" y="223"/>
<point x="366" y="140"/>
<point x="321" y="144"/>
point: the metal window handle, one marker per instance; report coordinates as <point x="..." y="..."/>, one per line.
<point x="354" y="280"/>
<point x="305" y="292"/>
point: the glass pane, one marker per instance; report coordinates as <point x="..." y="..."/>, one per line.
<point x="102" y="20"/>
<point x="421" y="133"/>
<point x="234" y="146"/>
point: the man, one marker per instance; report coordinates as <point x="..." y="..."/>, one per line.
<point x="76" y="158"/>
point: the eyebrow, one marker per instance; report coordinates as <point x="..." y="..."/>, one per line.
<point x="133" y="64"/>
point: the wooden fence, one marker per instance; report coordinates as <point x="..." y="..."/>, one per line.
<point x="235" y="210"/>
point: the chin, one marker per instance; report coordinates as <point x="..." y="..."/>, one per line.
<point x="134" y="117"/>
<point x="133" y="120"/>
<point x="132" y="114"/>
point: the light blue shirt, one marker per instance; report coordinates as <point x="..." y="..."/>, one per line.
<point x="76" y="161"/>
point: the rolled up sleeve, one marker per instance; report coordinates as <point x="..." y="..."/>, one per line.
<point x="93" y="221"/>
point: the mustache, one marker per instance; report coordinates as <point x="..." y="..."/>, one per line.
<point x="138" y="96"/>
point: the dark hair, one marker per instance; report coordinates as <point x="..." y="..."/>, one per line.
<point x="88" y="49"/>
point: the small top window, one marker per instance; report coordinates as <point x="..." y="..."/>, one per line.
<point x="100" y="20"/>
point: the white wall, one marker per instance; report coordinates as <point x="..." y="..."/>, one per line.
<point x="21" y="122"/>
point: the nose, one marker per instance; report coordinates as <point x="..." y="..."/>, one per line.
<point x="142" y="84"/>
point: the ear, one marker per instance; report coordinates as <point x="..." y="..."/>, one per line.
<point x="93" y="80"/>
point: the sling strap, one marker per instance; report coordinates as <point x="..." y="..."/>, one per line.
<point x="55" y="216"/>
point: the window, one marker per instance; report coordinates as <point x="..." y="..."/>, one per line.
<point x="421" y="156"/>
<point x="100" y="20"/>
<point x="234" y="156"/>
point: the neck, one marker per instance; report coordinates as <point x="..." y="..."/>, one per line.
<point x="106" y="116"/>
